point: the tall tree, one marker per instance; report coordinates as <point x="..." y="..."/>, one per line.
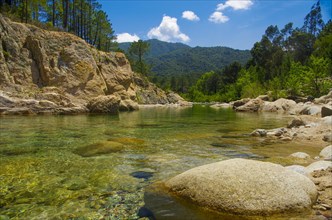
<point x="313" y="21"/>
<point x="138" y="49"/>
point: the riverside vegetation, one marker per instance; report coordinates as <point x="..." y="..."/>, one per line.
<point x="153" y="163"/>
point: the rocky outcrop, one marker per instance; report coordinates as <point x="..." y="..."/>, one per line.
<point x="59" y="70"/>
<point x="302" y="129"/>
<point x="253" y="105"/>
<point x="245" y="187"/>
<point x="104" y="104"/>
<point x="320" y="107"/>
<point x="280" y="105"/>
<point x="149" y="93"/>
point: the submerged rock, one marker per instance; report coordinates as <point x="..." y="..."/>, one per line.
<point x="300" y="155"/>
<point x="99" y="148"/>
<point x="127" y="140"/>
<point x="142" y="175"/>
<point x="245" y="187"/>
<point x="259" y="133"/>
<point x="144" y="212"/>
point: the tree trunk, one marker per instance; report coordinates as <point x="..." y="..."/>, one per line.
<point x="53" y="13"/>
<point x="26" y="11"/>
<point x="65" y="5"/>
<point x="81" y="26"/>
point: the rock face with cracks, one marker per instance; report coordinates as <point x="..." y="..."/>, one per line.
<point x="245" y="187"/>
<point x="56" y="72"/>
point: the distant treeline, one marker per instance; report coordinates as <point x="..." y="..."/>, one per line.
<point x="285" y="63"/>
<point x="83" y="18"/>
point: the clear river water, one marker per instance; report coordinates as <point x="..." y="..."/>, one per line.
<point x="113" y="167"/>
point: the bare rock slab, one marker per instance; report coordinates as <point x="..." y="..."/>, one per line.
<point x="245" y="187"/>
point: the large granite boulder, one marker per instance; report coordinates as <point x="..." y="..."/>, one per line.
<point x="240" y="102"/>
<point x="318" y="165"/>
<point x="326" y="153"/>
<point x="245" y="187"/>
<point x="280" y="105"/>
<point x="104" y="104"/>
<point x="253" y="105"/>
<point x="311" y="110"/>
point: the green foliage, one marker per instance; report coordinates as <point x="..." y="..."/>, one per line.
<point x="294" y="82"/>
<point x="83" y="18"/>
<point x="288" y="62"/>
<point x="136" y="51"/>
<point x="178" y="66"/>
<point x="317" y="76"/>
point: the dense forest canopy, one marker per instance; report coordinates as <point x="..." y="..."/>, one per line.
<point x="177" y="66"/>
<point x="83" y="18"/>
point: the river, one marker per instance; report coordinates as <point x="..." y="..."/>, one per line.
<point x="45" y="175"/>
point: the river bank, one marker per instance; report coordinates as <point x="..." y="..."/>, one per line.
<point x="311" y="124"/>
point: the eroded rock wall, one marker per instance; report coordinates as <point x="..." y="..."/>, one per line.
<point x="63" y="69"/>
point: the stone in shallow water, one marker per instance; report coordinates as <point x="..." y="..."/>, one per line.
<point x="142" y="175"/>
<point x="144" y="212"/>
<point x="223" y="145"/>
<point x="244" y="155"/>
<point x="300" y="155"/>
<point x="245" y="187"/>
<point x="127" y="140"/>
<point x="99" y="148"/>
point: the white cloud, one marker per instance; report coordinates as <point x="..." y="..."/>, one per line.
<point x="218" y="17"/>
<point x="235" y="4"/>
<point x="126" y="37"/>
<point x="168" y="30"/>
<point x="189" y="15"/>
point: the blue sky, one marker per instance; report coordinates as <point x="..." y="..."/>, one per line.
<point x="232" y="23"/>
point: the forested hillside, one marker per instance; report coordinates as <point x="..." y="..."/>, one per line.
<point x="83" y="18"/>
<point x="157" y="47"/>
<point x="287" y="62"/>
<point x="177" y="66"/>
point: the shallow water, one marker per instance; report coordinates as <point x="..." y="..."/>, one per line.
<point x="51" y="170"/>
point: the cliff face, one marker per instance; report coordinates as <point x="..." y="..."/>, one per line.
<point x="47" y="71"/>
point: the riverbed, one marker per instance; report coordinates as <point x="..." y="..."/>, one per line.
<point x="43" y="175"/>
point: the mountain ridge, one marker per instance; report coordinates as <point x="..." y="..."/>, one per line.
<point x="177" y="59"/>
